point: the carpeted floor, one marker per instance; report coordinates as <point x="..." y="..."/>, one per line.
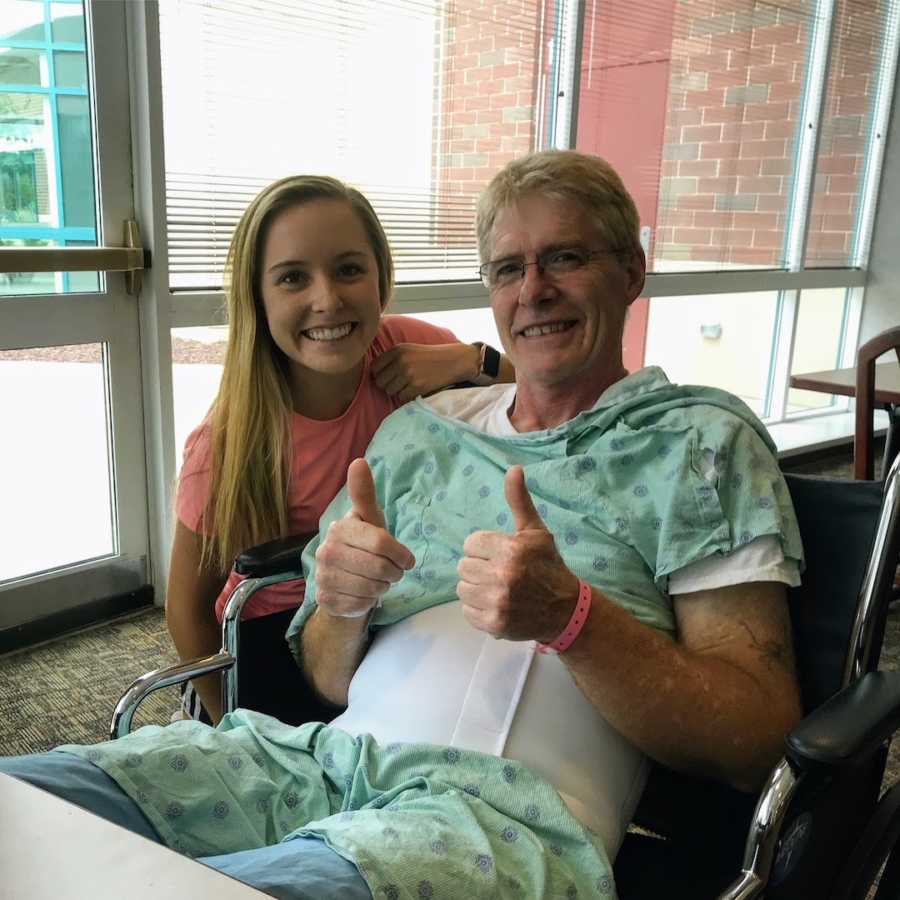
<point x="64" y="691"/>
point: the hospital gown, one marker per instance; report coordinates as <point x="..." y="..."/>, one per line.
<point x="653" y="478"/>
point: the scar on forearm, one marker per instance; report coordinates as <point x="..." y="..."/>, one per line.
<point x="773" y="652"/>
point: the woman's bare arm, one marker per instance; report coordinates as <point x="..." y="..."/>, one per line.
<point x="190" y="611"/>
<point x="411" y="370"/>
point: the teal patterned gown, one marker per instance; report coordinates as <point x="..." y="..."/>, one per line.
<point x="654" y="477"/>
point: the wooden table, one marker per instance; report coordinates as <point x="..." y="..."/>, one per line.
<point x="843" y="382"/>
<point x="50" y="848"/>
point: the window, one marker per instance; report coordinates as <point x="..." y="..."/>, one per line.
<point x="848" y="128"/>
<point x="711" y="94"/>
<point x="821" y="321"/>
<point x="750" y="134"/>
<point x="46" y="171"/>
<point x="198" y="355"/>
<point x="69" y="380"/>
<point x="416" y="103"/>
<point x="715" y="339"/>
<point x="18" y="176"/>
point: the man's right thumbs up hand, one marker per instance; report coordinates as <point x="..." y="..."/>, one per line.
<point x="358" y="560"/>
<point x="361" y="490"/>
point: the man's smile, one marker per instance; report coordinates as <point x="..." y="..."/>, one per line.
<point x="545" y="328"/>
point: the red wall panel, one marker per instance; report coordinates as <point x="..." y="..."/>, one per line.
<point x="622" y="111"/>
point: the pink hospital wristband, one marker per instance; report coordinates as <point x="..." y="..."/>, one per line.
<point x="576" y="623"/>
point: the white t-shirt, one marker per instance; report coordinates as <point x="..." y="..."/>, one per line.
<point x="502" y="697"/>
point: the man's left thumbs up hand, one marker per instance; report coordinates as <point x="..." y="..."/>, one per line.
<point x="516" y="586"/>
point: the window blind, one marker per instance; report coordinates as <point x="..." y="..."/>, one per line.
<point x="415" y="102"/>
<point x="737" y="125"/>
<point x="702" y="109"/>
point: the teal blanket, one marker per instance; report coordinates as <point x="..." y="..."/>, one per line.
<point x="419" y="821"/>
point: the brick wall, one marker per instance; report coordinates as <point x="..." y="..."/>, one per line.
<point x="487" y="103"/>
<point x="845" y="128"/>
<point x="738" y="72"/>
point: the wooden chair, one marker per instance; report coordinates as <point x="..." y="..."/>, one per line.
<point x="863" y="450"/>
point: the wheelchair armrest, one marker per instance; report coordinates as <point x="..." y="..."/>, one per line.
<point x="849" y="726"/>
<point x="265" y="564"/>
<point x="146" y="684"/>
<point x="278" y="557"/>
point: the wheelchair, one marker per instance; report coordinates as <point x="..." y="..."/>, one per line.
<point x="818" y="828"/>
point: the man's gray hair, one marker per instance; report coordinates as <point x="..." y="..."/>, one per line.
<point x="567" y="176"/>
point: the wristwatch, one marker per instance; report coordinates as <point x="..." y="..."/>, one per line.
<point x="488" y="364"/>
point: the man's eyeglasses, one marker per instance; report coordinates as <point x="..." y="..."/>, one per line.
<point x="556" y="263"/>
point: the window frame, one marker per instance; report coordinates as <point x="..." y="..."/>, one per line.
<point x="164" y="309"/>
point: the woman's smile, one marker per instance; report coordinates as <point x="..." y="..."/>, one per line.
<point x="329" y="333"/>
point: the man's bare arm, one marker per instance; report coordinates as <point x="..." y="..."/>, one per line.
<point x="332" y="650"/>
<point x="718" y="701"/>
<point x="357" y="561"/>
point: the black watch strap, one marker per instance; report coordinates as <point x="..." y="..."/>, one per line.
<point x="489" y="365"/>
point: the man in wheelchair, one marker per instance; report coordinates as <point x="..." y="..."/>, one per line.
<point x="522" y="594"/>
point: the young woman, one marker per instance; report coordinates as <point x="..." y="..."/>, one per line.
<point x="311" y="369"/>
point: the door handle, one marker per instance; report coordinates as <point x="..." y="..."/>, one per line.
<point x="131" y="258"/>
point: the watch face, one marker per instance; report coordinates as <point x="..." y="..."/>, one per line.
<point x="490" y="361"/>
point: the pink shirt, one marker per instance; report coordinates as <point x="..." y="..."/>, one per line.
<point x="322" y="450"/>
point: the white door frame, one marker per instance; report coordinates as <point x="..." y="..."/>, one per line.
<point x="110" y="316"/>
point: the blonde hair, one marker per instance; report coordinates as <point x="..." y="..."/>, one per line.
<point x="567" y="176"/>
<point x="250" y="440"/>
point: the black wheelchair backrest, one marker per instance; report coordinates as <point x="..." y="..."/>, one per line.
<point x="837" y="520"/>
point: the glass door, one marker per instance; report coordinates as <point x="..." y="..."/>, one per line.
<point x="73" y="528"/>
